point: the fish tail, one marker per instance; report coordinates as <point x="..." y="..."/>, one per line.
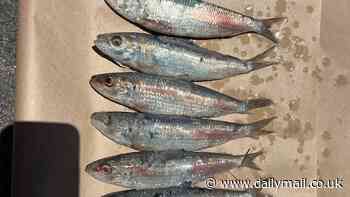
<point x="259" y="194"/>
<point x="257" y="103"/>
<point x="266" y="25"/>
<point x="249" y="160"/>
<point x="258" y="62"/>
<point x="256" y="129"/>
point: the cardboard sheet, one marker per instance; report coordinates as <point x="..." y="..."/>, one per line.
<point x="310" y="87"/>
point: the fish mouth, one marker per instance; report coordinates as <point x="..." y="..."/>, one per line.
<point x="91" y="170"/>
<point x="96" y="82"/>
<point x="99" y="120"/>
<point x="101" y="41"/>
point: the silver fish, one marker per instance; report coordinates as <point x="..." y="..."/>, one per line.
<point x="142" y="170"/>
<point x="160" y="95"/>
<point x="191" y="18"/>
<point x="187" y="192"/>
<point x="174" y="57"/>
<point x="163" y="132"/>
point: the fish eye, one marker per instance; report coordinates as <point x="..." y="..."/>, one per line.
<point x="105" y="169"/>
<point x="108" y="82"/>
<point x="116" y="41"/>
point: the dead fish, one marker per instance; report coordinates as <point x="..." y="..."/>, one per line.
<point x="187" y="192"/>
<point x="191" y="18"/>
<point x="164" y="132"/>
<point x="142" y="170"/>
<point x="174" y="57"/>
<point x="161" y="95"/>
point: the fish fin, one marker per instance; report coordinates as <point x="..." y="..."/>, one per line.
<point x="178" y="40"/>
<point x="257" y="103"/>
<point x="271" y="21"/>
<point x="121" y="65"/>
<point x="257" y="130"/>
<point x="248" y="160"/>
<point x="261" y="132"/>
<point x="262" y="55"/>
<point x="257" y="62"/>
<point x="267" y="23"/>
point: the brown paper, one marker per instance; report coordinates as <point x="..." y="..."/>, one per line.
<point x="310" y="87"/>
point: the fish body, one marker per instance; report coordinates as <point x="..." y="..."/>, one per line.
<point x="191" y="18"/>
<point x="141" y="170"/>
<point x="160" y="95"/>
<point x="147" y="132"/>
<point x="173" y="57"/>
<point x="186" y="192"/>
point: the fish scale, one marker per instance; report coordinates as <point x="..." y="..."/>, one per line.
<point x="159" y="95"/>
<point x="164" y="169"/>
<point x="175" y="57"/>
<point x="191" y="18"/>
<point x="166" y="132"/>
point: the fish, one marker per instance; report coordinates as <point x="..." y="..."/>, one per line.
<point x="174" y="57"/>
<point x="167" y="96"/>
<point x="148" y="132"/>
<point x="187" y="192"/>
<point x="162" y="169"/>
<point x="191" y="19"/>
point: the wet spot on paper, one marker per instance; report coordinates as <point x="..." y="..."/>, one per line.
<point x="296" y="130"/>
<point x="326" y="152"/>
<point x="296" y="161"/>
<point x="326" y="136"/>
<point x="286" y="41"/>
<point x="294" y="104"/>
<point x="305" y="70"/>
<point x="271" y="139"/>
<point x="293" y="127"/>
<point x="307" y="158"/>
<point x="296" y="24"/>
<point x="326" y="62"/>
<point x="289" y="66"/>
<point x="317" y="74"/>
<point x="249" y="10"/>
<point x="341" y="81"/>
<point x="262" y="157"/>
<point x="281" y="7"/>
<point x="294" y="44"/>
<point x="300" y="148"/>
<point x="301" y="50"/>
<point x="256" y="80"/>
<point x="260" y="14"/>
<point x="269" y="79"/>
<point x="245" y="40"/>
<point x="309" y="9"/>
<point x="340" y="120"/>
